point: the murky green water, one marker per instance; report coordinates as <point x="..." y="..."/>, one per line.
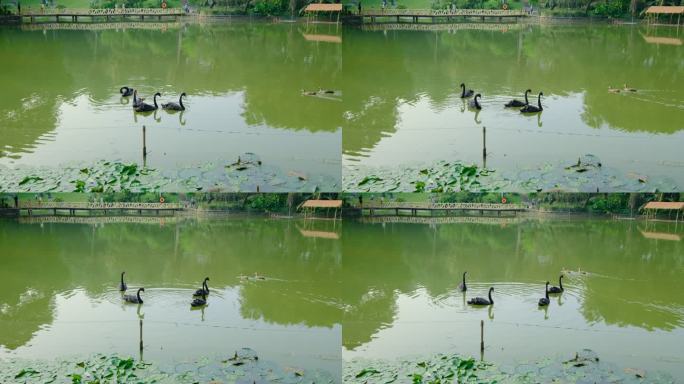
<point x="58" y="290"/>
<point x="621" y="300"/>
<point x="402" y="104"/>
<point x="60" y="102"/>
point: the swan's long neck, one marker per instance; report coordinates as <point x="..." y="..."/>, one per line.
<point x="477" y="104"/>
<point x="490" y="296"/>
<point x="155" y="101"/>
<point x="205" y="285"/>
<point x="121" y="90"/>
<point x="462" y="89"/>
<point x="539" y="101"/>
<point x="546" y="291"/>
<point x="138" y="295"/>
<point x="526" y="100"/>
<point x="122" y="274"/>
<point x="180" y="101"/>
<point x="560" y="282"/>
<point x="135" y="97"/>
<point x="464" y="283"/>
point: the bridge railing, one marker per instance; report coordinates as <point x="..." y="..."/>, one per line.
<point x="101" y="11"/>
<point x="85" y="205"/>
<point x="444" y="206"/>
<point x="443" y="12"/>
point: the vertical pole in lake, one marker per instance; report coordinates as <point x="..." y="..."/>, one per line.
<point x="481" y="336"/>
<point x="141" y="339"/>
<point x="144" y="147"/>
<point x="484" y="147"/>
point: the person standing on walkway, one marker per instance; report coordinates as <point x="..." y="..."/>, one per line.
<point x="18" y="7"/>
<point x="359" y="6"/>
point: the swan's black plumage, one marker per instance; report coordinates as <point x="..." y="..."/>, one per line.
<point x="473" y="103"/>
<point x="204" y="290"/>
<point x="175" y="106"/>
<point x="544" y="301"/>
<point x="482" y="300"/>
<point x="464" y="93"/>
<point x="122" y="284"/>
<point x="135" y="299"/>
<point x="126" y="91"/>
<point x="144" y="107"/>
<point x="518" y="103"/>
<point x="463" y="287"/>
<point x="534" y="109"/>
<point x="136" y="100"/>
<point x="199" y="301"/>
<point x="559" y="288"/>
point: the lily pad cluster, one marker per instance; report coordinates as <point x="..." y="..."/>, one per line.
<point x="586" y="174"/>
<point x="245" y="174"/>
<point x="584" y="367"/>
<point x="243" y="367"/>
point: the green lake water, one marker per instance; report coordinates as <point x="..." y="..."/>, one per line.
<point x="60" y="102"/>
<point x="403" y="106"/>
<point x="622" y="290"/>
<point x="59" y="297"/>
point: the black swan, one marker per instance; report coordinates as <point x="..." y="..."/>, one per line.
<point x="482" y="300"/>
<point x="144" y="107"/>
<point x="473" y="103"/>
<point x="175" y="106"/>
<point x="559" y="288"/>
<point x="518" y="103"/>
<point x="462" y="287"/>
<point x="199" y="301"/>
<point x="204" y="290"/>
<point x="122" y="285"/>
<point x="126" y="91"/>
<point x="135" y="299"/>
<point x="544" y="301"/>
<point x="464" y="93"/>
<point x="531" y="108"/>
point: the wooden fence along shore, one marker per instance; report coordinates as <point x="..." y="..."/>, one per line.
<point x="93" y="14"/>
<point x="442" y="208"/>
<point x="434" y="15"/>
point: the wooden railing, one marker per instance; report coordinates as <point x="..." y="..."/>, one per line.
<point x="444" y="206"/>
<point x="443" y="12"/>
<point x="84" y="205"/>
<point x="101" y="11"/>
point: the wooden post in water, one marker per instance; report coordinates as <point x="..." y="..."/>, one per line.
<point x="141" y="337"/>
<point x="481" y="334"/>
<point x="484" y="147"/>
<point x="144" y="146"/>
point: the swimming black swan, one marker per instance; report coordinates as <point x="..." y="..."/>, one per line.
<point x="204" y="290"/>
<point x="136" y="101"/>
<point x="518" y="103"/>
<point x="144" y="107"/>
<point x="125" y="91"/>
<point x="122" y="285"/>
<point x="473" y="103"/>
<point x="462" y="287"/>
<point x="135" y="299"/>
<point x="531" y="108"/>
<point x="544" y="301"/>
<point x="482" y="300"/>
<point x="199" y="301"/>
<point x="558" y="289"/>
<point x="464" y="93"/>
<point x="175" y="106"/>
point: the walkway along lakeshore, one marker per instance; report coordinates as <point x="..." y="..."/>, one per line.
<point x="435" y="15"/>
<point x="431" y="209"/>
<point x="93" y="14"/>
<point x="71" y="208"/>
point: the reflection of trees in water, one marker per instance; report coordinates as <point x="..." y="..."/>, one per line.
<point x="630" y="281"/>
<point x="50" y="259"/>
<point x="560" y="60"/>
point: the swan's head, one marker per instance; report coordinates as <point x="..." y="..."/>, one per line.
<point x="123" y="273"/>
<point x="206" y="279"/>
<point x="462" y="85"/>
<point x="157" y="94"/>
<point x="478" y="95"/>
<point x="141" y="289"/>
<point x="528" y="91"/>
<point x="547" y="283"/>
<point x="541" y="93"/>
<point x="183" y="94"/>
